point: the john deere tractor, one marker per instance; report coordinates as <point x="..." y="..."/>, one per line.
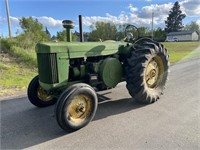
<point x="68" y="73"/>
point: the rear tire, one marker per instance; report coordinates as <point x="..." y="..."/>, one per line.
<point x="37" y="96"/>
<point x="147" y="72"/>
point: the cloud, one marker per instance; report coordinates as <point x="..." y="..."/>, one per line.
<point x="88" y="21"/>
<point x="137" y="16"/>
<point x="132" y="8"/>
<point x="143" y="16"/>
<point x="2" y="19"/>
<point x="198" y="22"/>
<point x="159" y="10"/>
<point x="14" y="20"/>
<point x="191" y="7"/>
<point x="49" y="22"/>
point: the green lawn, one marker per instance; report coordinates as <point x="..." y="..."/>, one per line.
<point x="15" y="75"/>
<point x="180" y="50"/>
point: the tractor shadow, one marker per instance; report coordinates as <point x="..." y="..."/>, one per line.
<point x="97" y="50"/>
<point x="109" y="107"/>
<point x="23" y="125"/>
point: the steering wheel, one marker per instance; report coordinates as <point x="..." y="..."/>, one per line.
<point x="131" y="33"/>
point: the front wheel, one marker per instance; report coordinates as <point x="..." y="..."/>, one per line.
<point x="38" y="96"/>
<point x="76" y="107"/>
<point x="147" y="72"/>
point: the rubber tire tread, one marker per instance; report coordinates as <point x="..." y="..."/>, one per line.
<point x="135" y="72"/>
<point x="33" y="97"/>
<point x="64" y="97"/>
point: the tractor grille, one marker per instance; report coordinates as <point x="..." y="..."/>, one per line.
<point x="47" y="68"/>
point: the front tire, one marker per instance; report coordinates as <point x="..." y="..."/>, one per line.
<point x="37" y="96"/>
<point x="76" y="107"/>
<point x="147" y="72"/>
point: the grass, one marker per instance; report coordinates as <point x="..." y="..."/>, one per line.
<point x="180" y="50"/>
<point x="27" y="56"/>
<point x="14" y="76"/>
<point x="18" y="66"/>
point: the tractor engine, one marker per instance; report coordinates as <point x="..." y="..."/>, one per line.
<point x="102" y="71"/>
<point x="60" y="64"/>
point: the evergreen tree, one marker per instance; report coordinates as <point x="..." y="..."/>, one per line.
<point x="53" y="38"/>
<point x="48" y="33"/>
<point x="174" y="20"/>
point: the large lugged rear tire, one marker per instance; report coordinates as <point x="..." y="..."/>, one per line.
<point x="37" y="96"/>
<point x="147" y="72"/>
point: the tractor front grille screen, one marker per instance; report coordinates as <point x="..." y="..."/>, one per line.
<point x="47" y="68"/>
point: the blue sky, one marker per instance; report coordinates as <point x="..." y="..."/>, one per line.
<point x="51" y="12"/>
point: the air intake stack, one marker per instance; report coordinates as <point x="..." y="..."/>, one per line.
<point x="68" y="25"/>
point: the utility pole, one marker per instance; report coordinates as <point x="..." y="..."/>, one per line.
<point x="152" y="24"/>
<point x="8" y="18"/>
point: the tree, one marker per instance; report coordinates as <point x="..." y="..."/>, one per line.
<point x="109" y="31"/>
<point x="102" y="31"/>
<point x="48" y="33"/>
<point x="120" y="32"/>
<point x="174" y="20"/>
<point x="159" y="35"/>
<point x="53" y="38"/>
<point x="144" y="31"/>
<point x="32" y="26"/>
<point x="32" y="32"/>
<point x="62" y="36"/>
<point x="193" y="26"/>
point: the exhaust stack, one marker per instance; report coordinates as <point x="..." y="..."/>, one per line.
<point x="81" y="28"/>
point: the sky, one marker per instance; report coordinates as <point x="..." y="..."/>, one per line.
<point x="51" y="12"/>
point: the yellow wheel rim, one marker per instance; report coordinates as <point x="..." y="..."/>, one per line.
<point x="42" y="95"/>
<point x="154" y="72"/>
<point x="79" y="108"/>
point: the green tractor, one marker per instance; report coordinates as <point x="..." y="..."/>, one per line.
<point x="69" y="72"/>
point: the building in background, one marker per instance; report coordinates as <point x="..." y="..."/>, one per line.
<point x="182" y="36"/>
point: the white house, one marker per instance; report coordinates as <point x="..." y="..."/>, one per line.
<point x="183" y="36"/>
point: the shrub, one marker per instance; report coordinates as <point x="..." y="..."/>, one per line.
<point x="24" y="56"/>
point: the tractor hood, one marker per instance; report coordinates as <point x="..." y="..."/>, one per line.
<point x="77" y="49"/>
